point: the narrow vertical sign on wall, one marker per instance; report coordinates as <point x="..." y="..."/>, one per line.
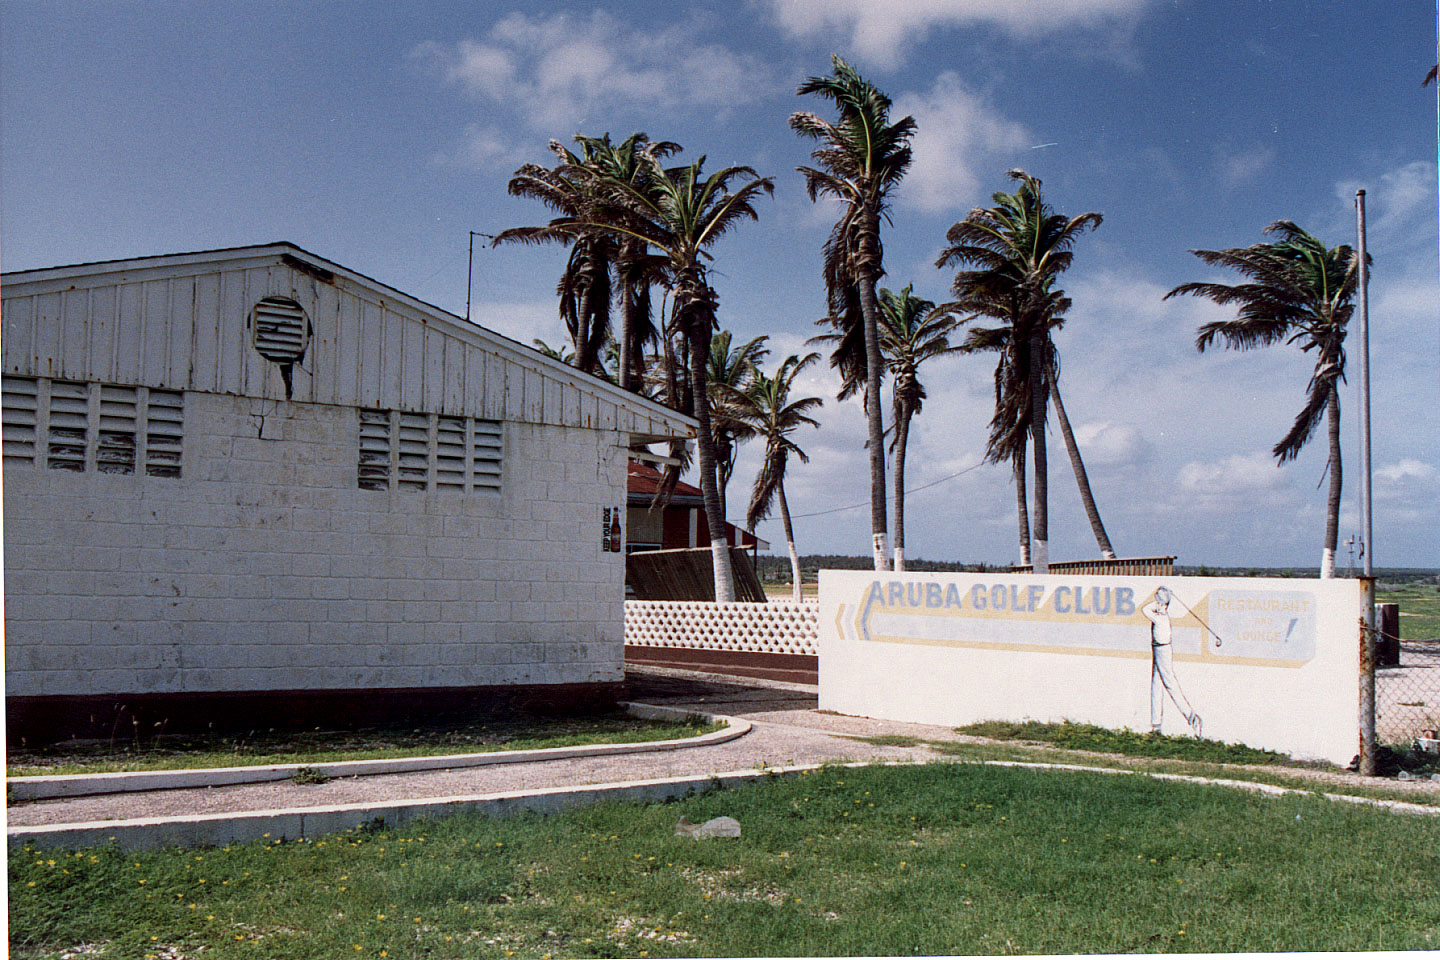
<point x="606" y="518"/>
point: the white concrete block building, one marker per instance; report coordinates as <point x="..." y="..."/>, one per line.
<point x="247" y="485"/>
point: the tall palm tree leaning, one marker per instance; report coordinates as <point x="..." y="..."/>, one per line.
<point x="1298" y="291"/>
<point x="1017" y="249"/>
<point x="730" y="368"/>
<point x="679" y="213"/>
<point x="912" y="330"/>
<point x="859" y="159"/>
<point x="767" y="406"/>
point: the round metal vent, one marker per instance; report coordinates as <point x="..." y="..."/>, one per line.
<point x="280" y="330"/>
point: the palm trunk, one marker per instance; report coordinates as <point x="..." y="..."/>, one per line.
<point x="790" y="545"/>
<point x="627" y="333"/>
<point x="1082" y="480"/>
<point x="1332" y="509"/>
<point x="1020" y="508"/>
<point x="705" y="453"/>
<point x="724" y="467"/>
<point x="902" y="435"/>
<point x="1038" y="404"/>
<point x="870" y="313"/>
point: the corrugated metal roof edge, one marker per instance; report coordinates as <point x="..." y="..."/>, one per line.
<point x="527" y="355"/>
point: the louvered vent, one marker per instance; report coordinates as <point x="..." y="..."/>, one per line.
<point x="414" y="451"/>
<point x="486" y="455"/>
<point x="164" y="429"/>
<point x="280" y="329"/>
<point x="418" y="451"/>
<point x="450" y="453"/>
<point x="69" y="425"/>
<point x="19" y="405"/>
<point x="373" y="467"/>
<point x="115" y="445"/>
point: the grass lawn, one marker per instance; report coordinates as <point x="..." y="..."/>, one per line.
<point x="321" y="746"/>
<point x="941" y="859"/>
<point x="1419" y="609"/>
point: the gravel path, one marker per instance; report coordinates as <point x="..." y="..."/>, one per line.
<point x="788" y="729"/>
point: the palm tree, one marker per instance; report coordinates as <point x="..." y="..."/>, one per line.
<point x="1298" y="292"/>
<point x="1017" y="248"/>
<point x="1010" y="424"/>
<point x="584" y="287"/>
<point x="912" y="330"/>
<point x="859" y="159"/>
<point x="680" y="213"/>
<point x="730" y="368"/>
<point x="767" y="406"/>
<point x="597" y="259"/>
<point x="636" y="269"/>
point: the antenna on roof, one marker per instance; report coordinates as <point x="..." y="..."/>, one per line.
<point x="470" y="268"/>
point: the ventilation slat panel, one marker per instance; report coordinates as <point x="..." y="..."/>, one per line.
<point x="164" y="432"/>
<point x="69" y="426"/>
<point x="115" y="444"/>
<point x="19" y="407"/>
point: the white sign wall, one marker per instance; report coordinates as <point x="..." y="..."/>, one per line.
<point x="1272" y="663"/>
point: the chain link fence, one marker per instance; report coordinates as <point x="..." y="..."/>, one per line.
<point x="1407" y="677"/>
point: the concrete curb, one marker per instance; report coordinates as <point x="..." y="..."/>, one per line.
<point x="91" y="784"/>
<point x="208" y="830"/>
<point x="312" y="822"/>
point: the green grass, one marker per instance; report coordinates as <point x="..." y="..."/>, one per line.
<point x="311" y="747"/>
<point x="1093" y="746"/>
<point x="942" y="859"/>
<point x="1084" y="736"/>
<point x="1419" y="609"/>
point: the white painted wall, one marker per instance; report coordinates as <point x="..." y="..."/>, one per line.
<point x="777" y="626"/>
<point x="960" y="648"/>
<point x="265" y="567"/>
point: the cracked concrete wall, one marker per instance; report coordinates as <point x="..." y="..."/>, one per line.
<point x="264" y="567"/>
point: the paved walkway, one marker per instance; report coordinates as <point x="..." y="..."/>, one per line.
<point x="788" y="730"/>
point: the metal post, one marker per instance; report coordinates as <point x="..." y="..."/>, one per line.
<point x="1364" y="291"/>
<point x="1367" y="676"/>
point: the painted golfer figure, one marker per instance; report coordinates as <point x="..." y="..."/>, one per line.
<point x="1162" y="665"/>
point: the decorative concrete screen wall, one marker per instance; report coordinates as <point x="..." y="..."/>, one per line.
<point x="782" y="627"/>
<point x="1270" y="663"/>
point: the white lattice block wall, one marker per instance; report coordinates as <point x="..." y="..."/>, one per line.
<point x="775" y="627"/>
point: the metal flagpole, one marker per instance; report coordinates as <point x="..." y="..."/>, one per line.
<point x="1367" y="610"/>
<point x="1364" y="291"/>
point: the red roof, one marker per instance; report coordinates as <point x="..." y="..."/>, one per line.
<point x="641" y="478"/>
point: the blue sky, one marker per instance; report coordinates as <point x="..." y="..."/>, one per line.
<point x="377" y="134"/>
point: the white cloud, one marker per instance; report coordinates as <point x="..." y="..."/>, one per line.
<point x="959" y="141"/>
<point x="1241" y="479"/>
<point x="1407" y="471"/>
<point x="879" y="31"/>
<point x="482" y="147"/>
<point x="1238" y="166"/>
<point x="1402" y="197"/>
<point x="1111" y="444"/>
<point x="557" y="70"/>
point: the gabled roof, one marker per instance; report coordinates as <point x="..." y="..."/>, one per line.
<point x="44" y="312"/>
